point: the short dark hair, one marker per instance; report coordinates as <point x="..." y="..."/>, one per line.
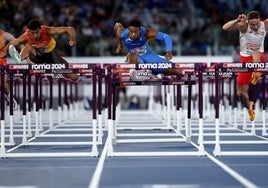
<point x="253" y="15"/>
<point x="34" y="24"/>
<point x="134" y="23"/>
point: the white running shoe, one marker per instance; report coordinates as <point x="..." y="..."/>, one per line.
<point x="14" y="54"/>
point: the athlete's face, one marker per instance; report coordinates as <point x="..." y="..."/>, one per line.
<point x="133" y="32"/>
<point x="35" y="34"/>
<point x="254" y="24"/>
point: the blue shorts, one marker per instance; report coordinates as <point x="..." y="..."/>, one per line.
<point x="150" y="57"/>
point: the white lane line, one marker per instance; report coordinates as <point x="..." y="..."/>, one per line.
<point x="95" y="180"/>
<point x="244" y="181"/>
<point x="233" y="173"/>
<point x="241" y="179"/>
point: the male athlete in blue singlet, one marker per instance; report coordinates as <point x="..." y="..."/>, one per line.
<point x="135" y="38"/>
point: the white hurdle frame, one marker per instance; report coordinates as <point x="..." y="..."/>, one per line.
<point x="165" y="117"/>
<point x="262" y="140"/>
<point x="30" y="142"/>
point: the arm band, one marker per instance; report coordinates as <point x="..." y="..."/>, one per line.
<point x="166" y="38"/>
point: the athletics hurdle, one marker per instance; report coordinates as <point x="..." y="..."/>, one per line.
<point x="114" y="79"/>
<point x="88" y="70"/>
<point x="253" y="139"/>
<point x="2" y="127"/>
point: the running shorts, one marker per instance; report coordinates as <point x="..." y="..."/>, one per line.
<point x="243" y="78"/>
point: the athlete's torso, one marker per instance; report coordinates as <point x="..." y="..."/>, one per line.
<point x="252" y="41"/>
<point x="138" y="46"/>
<point x="45" y="44"/>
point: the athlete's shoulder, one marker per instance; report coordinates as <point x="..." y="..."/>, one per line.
<point x="143" y="29"/>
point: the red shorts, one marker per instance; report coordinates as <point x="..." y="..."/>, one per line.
<point x="3" y="61"/>
<point x="243" y="78"/>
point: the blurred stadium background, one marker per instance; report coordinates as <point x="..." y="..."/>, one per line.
<point x="195" y="25"/>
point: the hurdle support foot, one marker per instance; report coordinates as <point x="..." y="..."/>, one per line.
<point x="100" y="131"/>
<point x="11" y="136"/>
<point x="24" y="137"/>
<point x="29" y="130"/>
<point x="94" y="152"/>
<point x="188" y="140"/>
<point x="201" y="150"/>
<point x="253" y="131"/>
<point x="2" y="149"/>
<point x="3" y="153"/>
<point x="94" y="139"/>
<point x="264" y="133"/>
<point x="217" y="150"/>
<point x="110" y="150"/>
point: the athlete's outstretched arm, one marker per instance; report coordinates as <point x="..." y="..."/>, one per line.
<point x="266" y="24"/>
<point x="118" y="29"/>
<point x="238" y="23"/>
<point x="19" y="41"/>
<point x="151" y="33"/>
<point x="61" y="30"/>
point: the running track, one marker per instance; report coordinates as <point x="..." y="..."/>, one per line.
<point x="134" y="171"/>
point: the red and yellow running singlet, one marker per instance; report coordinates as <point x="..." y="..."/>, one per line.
<point x="45" y="44"/>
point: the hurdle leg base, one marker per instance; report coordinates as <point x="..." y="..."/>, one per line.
<point x="201" y="150"/>
<point x="188" y="140"/>
<point x="110" y="151"/>
<point x="217" y="150"/>
<point x="94" y="152"/>
<point x="3" y="152"/>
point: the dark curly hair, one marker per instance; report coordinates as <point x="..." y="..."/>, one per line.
<point x="134" y="23"/>
<point x="34" y="24"/>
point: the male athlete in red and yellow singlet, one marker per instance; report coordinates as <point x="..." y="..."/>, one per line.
<point x="252" y="32"/>
<point x="5" y="39"/>
<point x="44" y="44"/>
<point x="40" y="45"/>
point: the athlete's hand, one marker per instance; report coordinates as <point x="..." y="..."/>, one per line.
<point x="168" y="55"/>
<point x="118" y="49"/>
<point x="118" y="26"/>
<point x="241" y="18"/>
<point x="72" y="43"/>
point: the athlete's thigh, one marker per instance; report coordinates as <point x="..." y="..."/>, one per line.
<point x="154" y="58"/>
<point x="57" y="58"/>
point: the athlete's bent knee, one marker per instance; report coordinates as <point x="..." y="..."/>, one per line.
<point x="73" y="77"/>
<point x="132" y="58"/>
